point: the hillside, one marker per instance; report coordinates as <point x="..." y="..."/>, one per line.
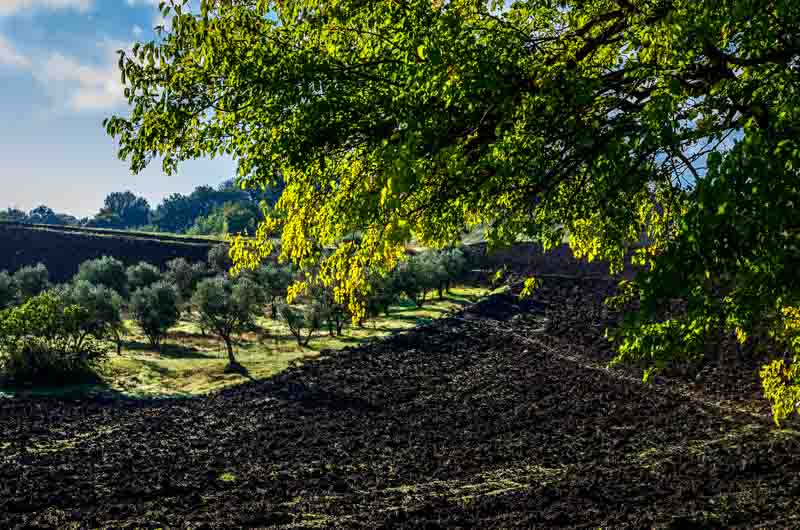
<point x="502" y="416"/>
<point x="63" y="249"/>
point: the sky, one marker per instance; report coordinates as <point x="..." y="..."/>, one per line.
<point x="58" y="81"/>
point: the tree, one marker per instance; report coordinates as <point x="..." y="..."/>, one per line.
<point x="455" y="265"/>
<point x="106" y="271"/>
<point x="228" y="306"/>
<point x="610" y="123"/>
<point x="45" y="340"/>
<point x="123" y="210"/>
<point x="184" y="276"/>
<point x="155" y="309"/>
<point x="211" y="224"/>
<point x="142" y="275"/>
<point x="8" y="290"/>
<point x="175" y="214"/>
<point x="45" y="215"/>
<point x="219" y="259"/>
<point x="102" y="306"/>
<point x="14" y="215"/>
<point x="332" y="311"/>
<point x="417" y="277"/>
<point x="383" y="292"/>
<point x="302" y="321"/>
<point x="274" y="281"/>
<point x="31" y="281"/>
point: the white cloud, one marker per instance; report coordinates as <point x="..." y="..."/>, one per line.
<point x="9" y="55"/>
<point x="74" y="85"/>
<point x="90" y="87"/>
<point x="12" y="7"/>
<point x="137" y="30"/>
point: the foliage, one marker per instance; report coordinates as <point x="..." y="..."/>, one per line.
<point x="142" y="275"/>
<point x="331" y="311"/>
<point x="275" y="281"/>
<point x="45" y="215"/>
<point x="122" y="210"/>
<point x="42" y="214"/>
<point x="103" y="319"/>
<point x="303" y="321"/>
<point x="46" y="340"/>
<point x="203" y="211"/>
<point x="611" y="123"/>
<point x="184" y="276"/>
<point x="31" y="281"/>
<point x="219" y="259"/>
<point x="13" y="215"/>
<point x="454" y="263"/>
<point x="211" y="224"/>
<point x="781" y="383"/>
<point x="8" y="290"/>
<point x="228" y="306"/>
<point x="383" y="293"/>
<point x="106" y="271"/>
<point x="416" y="277"/>
<point x="155" y="309"/>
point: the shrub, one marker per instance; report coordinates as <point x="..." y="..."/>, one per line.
<point x="228" y="306"/>
<point x="155" y="309"/>
<point x="104" y="318"/>
<point x="303" y="322"/>
<point x="219" y="260"/>
<point x="46" y="340"/>
<point x="106" y="271"/>
<point x="31" y="281"/>
<point x="8" y="290"/>
<point x="142" y="275"/>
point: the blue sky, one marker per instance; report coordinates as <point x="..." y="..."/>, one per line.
<point x="58" y="80"/>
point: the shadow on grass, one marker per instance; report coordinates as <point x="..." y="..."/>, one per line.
<point x="168" y="350"/>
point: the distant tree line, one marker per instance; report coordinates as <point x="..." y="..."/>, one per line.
<point x="226" y="209"/>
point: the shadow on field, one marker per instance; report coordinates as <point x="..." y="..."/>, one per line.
<point x="168" y="350"/>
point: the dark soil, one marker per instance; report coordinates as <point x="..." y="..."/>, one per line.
<point x="503" y="416"/>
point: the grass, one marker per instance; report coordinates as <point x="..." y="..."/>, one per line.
<point x="192" y="364"/>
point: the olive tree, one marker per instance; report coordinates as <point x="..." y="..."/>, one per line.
<point x="228" y="306"/>
<point x="184" y="276"/>
<point x="102" y="305"/>
<point x="142" y="275"/>
<point x="303" y="321"/>
<point x="155" y="309"/>
<point x="31" y="281"/>
<point x="219" y="260"/>
<point x="275" y="281"/>
<point x="107" y="271"/>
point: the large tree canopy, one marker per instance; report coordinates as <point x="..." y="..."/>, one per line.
<point x="609" y="122"/>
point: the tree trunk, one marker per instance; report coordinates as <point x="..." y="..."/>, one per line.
<point x="229" y="346"/>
